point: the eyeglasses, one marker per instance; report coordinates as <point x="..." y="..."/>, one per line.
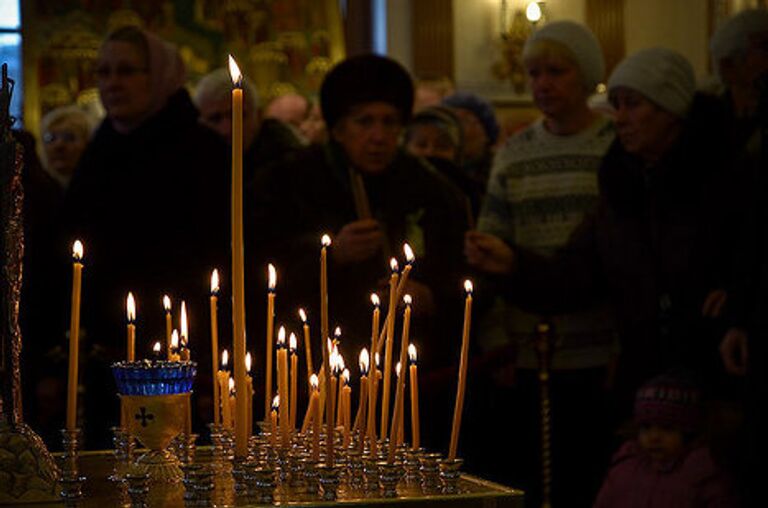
<point x="121" y="71"/>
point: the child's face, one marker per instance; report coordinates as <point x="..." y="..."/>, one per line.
<point x="662" y="443"/>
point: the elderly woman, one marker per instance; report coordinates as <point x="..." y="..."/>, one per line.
<point x="149" y="199"/>
<point x="661" y="243"/>
<point x="65" y="133"/>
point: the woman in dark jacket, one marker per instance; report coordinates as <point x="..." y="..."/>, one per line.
<point x="663" y="242"/>
<point x="150" y="202"/>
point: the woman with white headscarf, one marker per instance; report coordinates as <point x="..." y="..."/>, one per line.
<point x="150" y="198"/>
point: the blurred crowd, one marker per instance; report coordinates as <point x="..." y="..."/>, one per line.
<point x="632" y="222"/>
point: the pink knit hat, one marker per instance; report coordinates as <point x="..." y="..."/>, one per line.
<point x="669" y="400"/>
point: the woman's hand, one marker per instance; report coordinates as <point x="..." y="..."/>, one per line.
<point x="357" y="241"/>
<point x="488" y="253"/>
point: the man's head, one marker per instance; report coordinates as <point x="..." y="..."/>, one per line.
<point x="213" y="98"/>
<point x="564" y="63"/>
<point x="290" y="108"/>
<point x="366" y="100"/>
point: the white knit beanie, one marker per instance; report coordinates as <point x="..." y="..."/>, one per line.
<point x="733" y="35"/>
<point x="581" y="42"/>
<point x="663" y="76"/>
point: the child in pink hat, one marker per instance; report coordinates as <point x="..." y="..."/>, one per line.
<point x="666" y="465"/>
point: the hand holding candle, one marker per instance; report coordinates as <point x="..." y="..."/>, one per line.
<point x="74" y="335"/>
<point x="130" y="307"/>
<point x="462" y="372"/>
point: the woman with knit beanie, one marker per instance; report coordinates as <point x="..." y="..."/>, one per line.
<point x="663" y="242"/>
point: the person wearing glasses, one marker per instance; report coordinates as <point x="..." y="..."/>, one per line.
<point x="150" y="202"/>
<point x="66" y="131"/>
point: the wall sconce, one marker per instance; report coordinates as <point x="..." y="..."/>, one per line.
<point x="512" y="39"/>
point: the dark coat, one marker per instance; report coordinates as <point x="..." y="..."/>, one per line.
<point x="152" y="210"/>
<point x="660" y="240"/>
<point x="311" y="196"/>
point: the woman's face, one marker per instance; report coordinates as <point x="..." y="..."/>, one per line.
<point x="64" y="143"/>
<point x="428" y="140"/>
<point x="122" y="76"/>
<point x="643" y="128"/>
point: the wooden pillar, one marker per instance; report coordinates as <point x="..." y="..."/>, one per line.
<point x="432" y="38"/>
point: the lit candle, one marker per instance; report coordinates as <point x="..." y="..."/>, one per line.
<point x="397" y="419"/>
<point x="371" y="423"/>
<point x="362" y="410"/>
<point x="74" y="334"/>
<point x="340" y="366"/>
<point x="156" y="350"/>
<point x="462" y="372"/>
<point x="390" y="327"/>
<point x="314" y="405"/>
<point x="273" y="422"/>
<point x="249" y="393"/>
<point x="414" y="382"/>
<point x="238" y="272"/>
<point x="409" y="259"/>
<point x="168" y="324"/>
<point x="401" y="407"/>
<point x="307" y="344"/>
<point x="330" y="405"/>
<point x="175" y="346"/>
<point x="272" y="284"/>
<point x="232" y="401"/>
<point x="293" y="350"/>
<point x="282" y="386"/>
<point x="130" y="306"/>
<point x="184" y="342"/>
<point x="373" y="403"/>
<point x="214" y="343"/>
<point x="325" y="242"/>
<point x="224" y="389"/>
<point x="346" y="397"/>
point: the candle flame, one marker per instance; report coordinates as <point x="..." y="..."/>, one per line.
<point x="314" y="382"/>
<point x="184" y="327"/>
<point x="234" y="72"/>
<point x="248" y="362"/>
<point x="365" y="361"/>
<point x="397" y="369"/>
<point x="224" y="358"/>
<point x="281" y="337"/>
<point x="325" y="241"/>
<point x="377" y="359"/>
<point x="130" y="306"/>
<point x="393" y="265"/>
<point x="215" y="282"/>
<point x="407" y="300"/>
<point x="409" y="257"/>
<point x="77" y="251"/>
<point x="292" y="343"/>
<point x="468" y="286"/>
<point x="375" y="300"/>
<point x="337" y="333"/>
<point x="412" y="353"/>
<point x="329" y="344"/>
<point x="272" y="276"/>
<point x="231" y="385"/>
<point x="156" y="348"/>
<point x="345" y="376"/>
<point x="175" y="339"/>
<point x="303" y="316"/>
<point x="167" y="303"/>
<point x="276" y="403"/>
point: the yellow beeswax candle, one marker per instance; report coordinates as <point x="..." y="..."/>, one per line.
<point x="74" y="335"/>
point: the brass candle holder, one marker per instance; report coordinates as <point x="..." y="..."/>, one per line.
<point x="450" y="474"/>
<point x="390" y="475"/>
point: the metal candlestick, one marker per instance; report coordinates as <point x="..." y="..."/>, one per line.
<point x="371" y="474"/>
<point x="389" y="477"/>
<point x="261" y="481"/>
<point x="70" y="441"/>
<point x="355" y="477"/>
<point x="123" y="453"/>
<point x="138" y="488"/>
<point x="450" y="474"/>
<point x="430" y="473"/>
<point x="71" y="490"/>
<point x="412" y="466"/>
<point x="544" y="346"/>
<point x="311" y="476"/>
<point x="203" y="486"/>
<point x="189" y="481"/>
<point x="329" y="481"/>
